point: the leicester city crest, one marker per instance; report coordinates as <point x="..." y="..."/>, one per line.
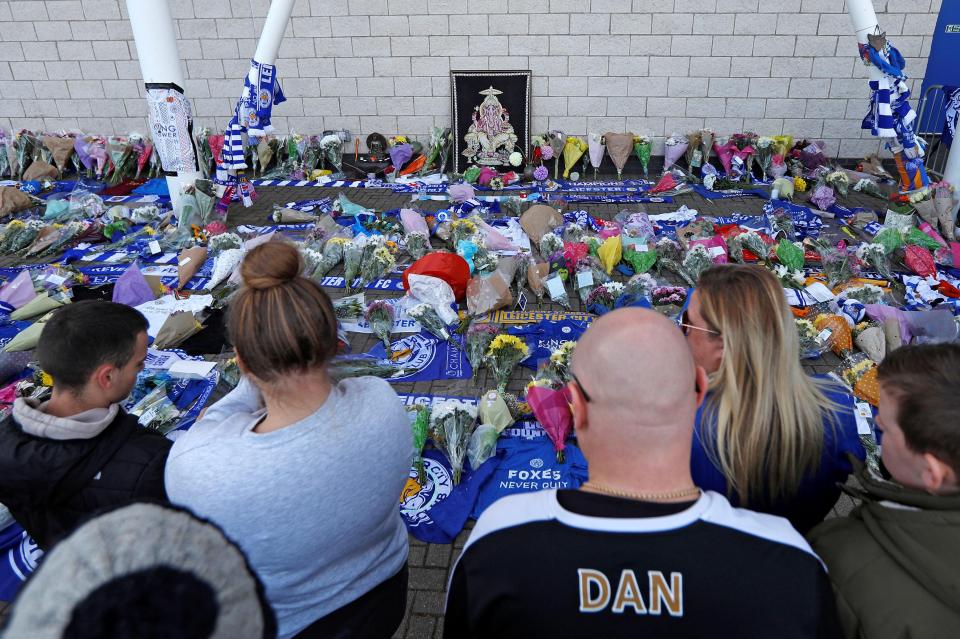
<point x="417" y="499"/>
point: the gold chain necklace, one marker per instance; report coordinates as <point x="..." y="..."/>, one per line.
<point x="677" y="494"/>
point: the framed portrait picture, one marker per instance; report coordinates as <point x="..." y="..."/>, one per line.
<point x="491" y="117"/>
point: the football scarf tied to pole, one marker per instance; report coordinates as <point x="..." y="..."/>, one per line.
<point x="890" y="115"/>
<point x="253" y="113"/>
<point x="251" y="117"/>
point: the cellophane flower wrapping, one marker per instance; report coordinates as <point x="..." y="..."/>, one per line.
<point x="451" y="425"/>
<point x="550" y="245"/>
<point x="669" y="296"/>
<point x="380" y="316"/>
<point x="225" y="241"/>
<point x="865" y="294"/>
<point x="478" y="339"/>
<point x="836" y="264"/>
<point x="352" y="259"/>
<point x="875" y="257"/>
<point x="350" y="307"/>
<point x="870" y="339"/>
<point x="379" y="264"/>
<point x="789" y="278"/>
<point x="823" y="197"/>
<point x="860" y="373"/>
<point x="429" y="320"/>
<point x="807" y="333"/>
<point x="421" y="431"/>
<point x="840" y="336"/>
<point x="523" y="265"/>
<point x="642" y="148"/>
<point x="333" y="253"/>
<point x="640" y="261"/>
<point x="764" y="155"/>
<point x="552" y="410"/>
<point x="483" y="445"/>
<point x="674" y="148"/>
<point x="603" y="298"/>
<point x="596" y="150"/>
<point x="790" y="255"/>
<point x="669" y="256"/>
<point x="696" y="261"/>
<point x="503" y="355"/>
<point x="919" y="260"/>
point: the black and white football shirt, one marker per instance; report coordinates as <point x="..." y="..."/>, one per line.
<point x="577" y="564"/>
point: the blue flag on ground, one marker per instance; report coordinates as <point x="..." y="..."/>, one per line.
<point x="436" y="510"/>
<point x="529" y="465"/>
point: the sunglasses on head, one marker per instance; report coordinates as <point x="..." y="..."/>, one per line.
<point x="686" y="326"/>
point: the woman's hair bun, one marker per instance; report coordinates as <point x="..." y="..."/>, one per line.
<point x="271" y="264"/>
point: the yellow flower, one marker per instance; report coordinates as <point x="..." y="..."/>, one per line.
<point x="464" y="225"/>
<point x="501" y="342"/>
<point x="538" y="383"/>
<point x="149" y="230"/>
<point x="563" y="352"/>
<point x="799" y="184"/>
<point x="46" y="380"/>
<point x="339" y="240"/>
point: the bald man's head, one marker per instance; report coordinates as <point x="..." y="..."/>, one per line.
<point x="639" y="373"/>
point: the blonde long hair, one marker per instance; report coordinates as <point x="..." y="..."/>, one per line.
<point x="767" y="415"/>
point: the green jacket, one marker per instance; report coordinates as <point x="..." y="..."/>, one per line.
<point x="894" y="562"/>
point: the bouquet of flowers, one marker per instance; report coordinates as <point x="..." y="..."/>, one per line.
<point x="836" y="264"/>
<point x="479" y="338"/>
<point x="428" y="318"/>
<point x="589" y="274"/>
<point x="694" y="154"/>
<point x="4" y="158"/>
<point x="333" y="252"/>
<point x="451" y="425"/>
<point x="810" y="347"/>
<point x="23" y="146"/>
<point x="352" y="260"/>
<point x="838" y="180"/>
<point x="421" y="431"/>
<point x="790" y="255"/>
<point x="462" y="230"/>
<point x="870" y="338"/>
<point x="640" y="261"/>
<point x="483" y="444"/>
<point x="860" y="373"/>
<point x="835" y="331"/>
<point x="696" y="261"/>
<point x="603" y="298"/>
<point x="19" y="235"/>
<point x="668" y="299"/>
<point x="764" y="155"/>
<point x="378" y="264"/>
<point x="669" y="257"/>
<point x="331" y="149"/>
<point x="380" y="316"/>
<point x="865" y="294"/>
<point x="223" y="242"/>
<point x="752" y="242"/>
<point x="225" y="262"/>
<point x="552" y="409"/>
<point x="523" y="265"/>
<point x="123" y="158"/>
<point x="557" y="368"/>
<point x="642" y="148"/>
<point x="596" y="149"/>
<point x="573" y="150"/>
<point x="349" y="308"/>
<point x="674" y="148"/>
<point x="503" y="355"/>
<point x="790" y="278"/>
<point x="875" y="255"/>
<point x="550" y="245"/>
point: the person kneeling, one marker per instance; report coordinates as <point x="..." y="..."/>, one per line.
<point x="893" y="562"/>
<point x="79" y="453"/>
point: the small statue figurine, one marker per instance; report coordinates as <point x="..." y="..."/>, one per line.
<point x="490" y="139"/>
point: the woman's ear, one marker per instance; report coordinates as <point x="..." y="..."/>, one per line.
<point x="242" y="366"/>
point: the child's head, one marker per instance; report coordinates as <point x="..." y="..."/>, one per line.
<point x="920" y="416"/>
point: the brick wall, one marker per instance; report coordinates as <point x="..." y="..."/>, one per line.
<point x="648" y="66"/>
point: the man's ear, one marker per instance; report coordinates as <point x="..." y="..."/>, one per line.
<point x="702" y="383"/>
<point x="104" y="376"/>
<point x="938" y="476"/>
<point x="578" y="406"/>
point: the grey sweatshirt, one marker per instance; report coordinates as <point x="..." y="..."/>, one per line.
<point x="314" y="505"/>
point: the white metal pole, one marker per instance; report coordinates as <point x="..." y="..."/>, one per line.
<point x="864" y="20"/>
<point x="156" y="40"/>
<point x="278" y="17"/>
<point x="951" y="173"/>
